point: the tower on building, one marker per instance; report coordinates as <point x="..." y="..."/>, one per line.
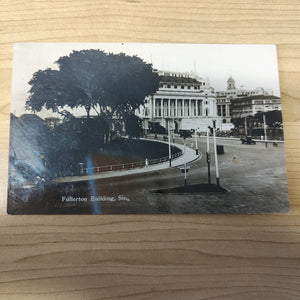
<point x="230" y="84"/>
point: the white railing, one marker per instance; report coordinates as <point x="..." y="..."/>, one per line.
<point x="132" y="165"/>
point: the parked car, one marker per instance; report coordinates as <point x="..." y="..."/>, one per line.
<point x="185" y="133"/>
<point x="248" y="140"/>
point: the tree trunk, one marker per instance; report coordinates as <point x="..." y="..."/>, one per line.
<point x="88" y="109"/>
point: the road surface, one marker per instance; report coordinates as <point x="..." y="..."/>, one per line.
<point x="254" y="175"/>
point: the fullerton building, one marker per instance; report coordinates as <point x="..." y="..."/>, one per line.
<point x="183" y="101"/>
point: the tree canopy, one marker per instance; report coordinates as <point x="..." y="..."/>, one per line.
<point x="273" y="119"/>
<point x="104" y="83"/>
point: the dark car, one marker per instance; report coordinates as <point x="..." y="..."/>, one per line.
<point x="185" y="133"/>
<point x="248" y="140"/>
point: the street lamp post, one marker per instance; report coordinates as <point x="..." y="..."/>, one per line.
<point x="196" y="142"/>
<point x="265" y="130"/>
<point x="185" y="174"/>
<point x="169" y="137"/>
<point x="216" y="154"/>
<point x="208" y="156"/>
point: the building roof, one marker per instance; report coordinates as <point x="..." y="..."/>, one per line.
<point x="252" y="97"/>
<point x="177" y="79"/>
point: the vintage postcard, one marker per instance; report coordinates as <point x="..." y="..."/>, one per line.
<point x="123" y="128"/>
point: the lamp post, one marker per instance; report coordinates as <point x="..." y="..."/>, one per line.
<point x="196" y="142"/>
<point x="265" y="130"/>
<point x="216" y="154"/>
<point x="169" y="138"/>
<point x="208" y="156"/>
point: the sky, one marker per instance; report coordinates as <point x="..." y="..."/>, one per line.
<point x="251" y="66"/>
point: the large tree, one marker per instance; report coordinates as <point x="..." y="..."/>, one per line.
<point x="107" y="84"/>
<point x="273" y="118"/>
<point x="133" y="126"/>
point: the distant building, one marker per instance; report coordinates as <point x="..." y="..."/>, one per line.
<point x="233" y="96"/>
<point x="248" y="106"/>
<point x="183" y="101"/>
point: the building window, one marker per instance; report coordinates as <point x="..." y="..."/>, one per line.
<point x="175" y="86"/>
<point x="168" y="86"/>
<point x="189" y="87"/>
<point x="182" y="86"/>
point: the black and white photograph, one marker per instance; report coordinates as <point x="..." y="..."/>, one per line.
<point x="141" y="128"/>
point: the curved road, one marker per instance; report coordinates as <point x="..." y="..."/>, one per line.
<point x="255" y="176"/>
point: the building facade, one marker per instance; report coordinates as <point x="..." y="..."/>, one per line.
<point x="251" y="105"/>
<point x="232" y="95"/>
<point x="183" y="101"/>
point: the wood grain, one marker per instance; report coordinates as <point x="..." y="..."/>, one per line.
<point x="154" y="257"/>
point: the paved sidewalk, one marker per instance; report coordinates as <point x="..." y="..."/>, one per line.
<point x="188" y="156"/>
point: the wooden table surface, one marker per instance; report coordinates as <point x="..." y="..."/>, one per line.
<point x="154" y="257"/>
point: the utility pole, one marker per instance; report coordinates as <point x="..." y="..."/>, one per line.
<point x="265" y="130"/>
<point x="208" y="156"/>
<point x="216" y="155"/>
<point x="169" y="137"/>
<point x="184" y="166"/>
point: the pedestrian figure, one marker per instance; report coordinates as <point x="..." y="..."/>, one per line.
<point x="146" y="163"/>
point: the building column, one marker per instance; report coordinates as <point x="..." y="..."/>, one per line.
<point x="176" y="108"/>
<point x="169" y="107"/>
<point x="162" y="107"/>
<point x="200" y="109"/>
<point x="221" y="110"/>
<point x="182" y="108"/>
<point x="196" y="108"/>
<point x="227" y="110"/>
<point x="190" y="107"/>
